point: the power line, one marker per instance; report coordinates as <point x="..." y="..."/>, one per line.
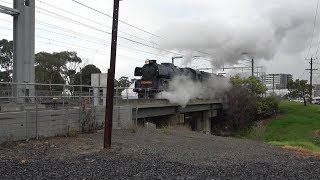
<point x="125" y="47"/>
<point x="5" y="2"/>
<point x="75" y="37"/>
<point x="6" y="28"/>
<point x="133" y="26"/>
<point x="94" y="50"/>
<point x="101" y="43"/>
<point x="6" y="20"/>
<point x="58" y="16"/>
<point x="93" y="21"/>
<point x="69" y="31"/>
<point x="82" y="24"/>
<point x="53" y="44"/>
<point x="104" y="44"/>
<point x="50" y="43"/>
<point x="98" y="11"/>
<point x="55" y="15"/>
<point x="313" y="29"/>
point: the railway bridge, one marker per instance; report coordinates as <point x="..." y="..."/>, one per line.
<point x="20" y="123"/>
<point x="197" y="113"/>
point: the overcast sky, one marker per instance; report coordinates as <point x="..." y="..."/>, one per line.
<point x="277" y="34"/>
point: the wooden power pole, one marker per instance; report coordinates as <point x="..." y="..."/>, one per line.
<point x="110" y="81"/>
<point x="311" y="77"/>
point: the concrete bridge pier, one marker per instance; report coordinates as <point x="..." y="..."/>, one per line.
<point x="176" y="119"/>
<point x="203" y="120"/>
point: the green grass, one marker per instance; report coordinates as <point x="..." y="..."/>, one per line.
<point x="295" y="126"/>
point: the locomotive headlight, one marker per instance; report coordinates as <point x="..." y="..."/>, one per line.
<point x="147" y="61"/>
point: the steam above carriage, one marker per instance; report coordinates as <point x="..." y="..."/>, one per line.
<point x="156" y="77"/>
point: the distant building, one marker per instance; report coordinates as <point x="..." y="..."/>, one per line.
<point x="316" y="90"/>
<point x="278" y="81"/>
<point x="99" y="86"/>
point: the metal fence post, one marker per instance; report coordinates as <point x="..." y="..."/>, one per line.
<point x="63" y="94"/>
<point x="116" y="96"/>
<point x="127" y="94"/>
<point x="37" y="135"/>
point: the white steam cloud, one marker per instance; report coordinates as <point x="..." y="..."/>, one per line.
<point x="182" y="89"/>
<point x="278" y="26"/>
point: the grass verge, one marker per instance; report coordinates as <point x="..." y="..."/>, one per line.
<point x="297" y="126"/>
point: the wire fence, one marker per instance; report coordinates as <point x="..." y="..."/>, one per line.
<point x="55" y="96"/>
<point x="45" y="110"/>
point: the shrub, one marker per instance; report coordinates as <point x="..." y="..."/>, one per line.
<point x="89" y="125"/>
<point x="267" y="107"/>
<point x="241" y="108"/>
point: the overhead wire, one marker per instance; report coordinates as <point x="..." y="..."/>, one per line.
<point x="89" y="51"/>
<point x="136" y="27"/>
<point x="102" y="43"/>
<point x="87" y="39"/>
<point x="55" y="15"/>
<point x="313" y="28"/>
<point x="125" y="38"/>
<point x="87" y="48"/>
<point x="70" y="31"/>
<point x="133" y="26"/>
<point x="5" y="2"/>
<point x="88" y="19"/>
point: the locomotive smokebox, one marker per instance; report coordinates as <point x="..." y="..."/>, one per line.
<point x="138" y="71"/>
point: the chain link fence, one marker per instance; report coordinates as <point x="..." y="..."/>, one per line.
<point x="45" y="110"/>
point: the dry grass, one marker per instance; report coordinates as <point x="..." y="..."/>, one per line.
<point x="316" y="133"/>
<point x="302" y="151"/>
<point x="73" y="133"/>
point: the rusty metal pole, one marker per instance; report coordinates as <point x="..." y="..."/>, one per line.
<point x="111" y="75"/>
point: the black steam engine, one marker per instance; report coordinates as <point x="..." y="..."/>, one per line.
<point x="155" y="77"/>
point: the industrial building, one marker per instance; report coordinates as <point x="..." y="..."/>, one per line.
<point x="276" y="81"/>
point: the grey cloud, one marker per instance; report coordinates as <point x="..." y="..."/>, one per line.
<point x="279" y="27"/>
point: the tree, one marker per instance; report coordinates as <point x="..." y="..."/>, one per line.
<point x="298" y="89"/>
<point x="54" y="68"/>
<point x="84" y="76"/>
<point x="6" y="60"/>
<point x="245" y="105"/>
<point x="122" y="83"/>
<point x="252" y="83"/>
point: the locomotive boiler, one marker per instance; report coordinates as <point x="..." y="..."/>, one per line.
<point x="156" y="77"/>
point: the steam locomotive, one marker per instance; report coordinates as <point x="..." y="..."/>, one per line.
<point x="156" y="77"/>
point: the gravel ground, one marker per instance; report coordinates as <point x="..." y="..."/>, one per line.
<point x="157" y="154"/>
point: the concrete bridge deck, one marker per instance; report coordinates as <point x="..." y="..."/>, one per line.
<point x="31" y="123"/>
<point x="143" y="108"/>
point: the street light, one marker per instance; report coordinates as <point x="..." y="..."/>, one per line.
<point x="176" y="57"/>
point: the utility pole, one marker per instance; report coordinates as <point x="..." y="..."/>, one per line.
<point x="252" y="67"/>
<point x="311" y="76"/>
<point x="110" y="81"/>
<point x="273" y="84"/>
